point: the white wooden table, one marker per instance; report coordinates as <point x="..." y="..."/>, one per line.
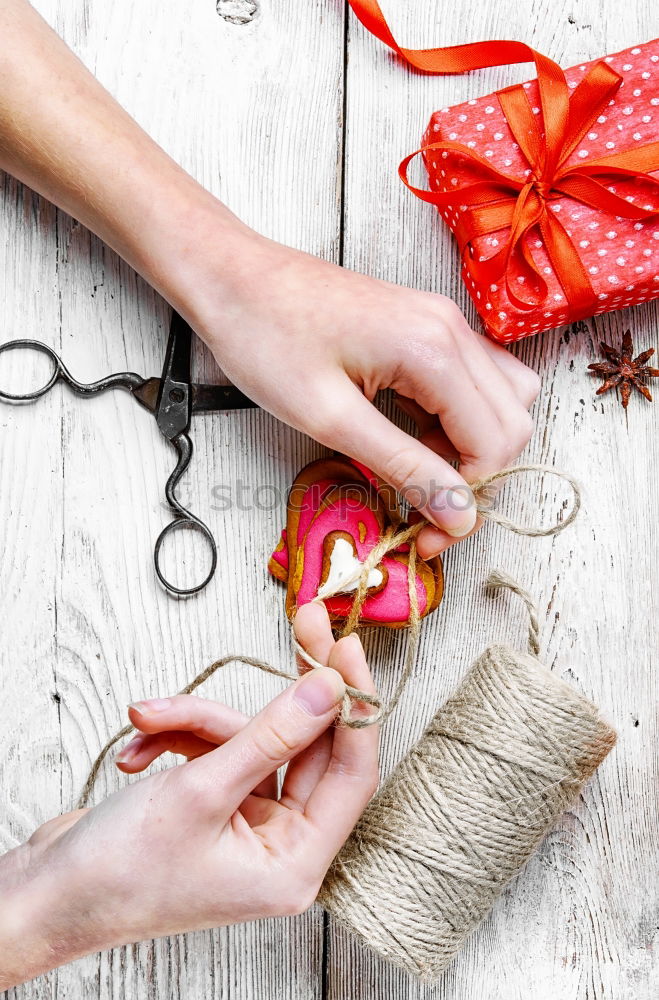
<point x="297" y="119"/>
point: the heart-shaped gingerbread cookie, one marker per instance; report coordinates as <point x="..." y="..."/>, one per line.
<point x="337" y="513"/>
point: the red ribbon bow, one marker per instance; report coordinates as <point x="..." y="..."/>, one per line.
<point x="500" y="201"/>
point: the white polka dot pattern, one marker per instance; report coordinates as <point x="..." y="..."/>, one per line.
<point x="620" y="256"/>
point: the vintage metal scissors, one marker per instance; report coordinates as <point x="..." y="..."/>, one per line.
<point x="172" y="399"/>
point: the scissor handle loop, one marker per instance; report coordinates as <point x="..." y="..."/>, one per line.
<point x="193" y="523"/>
<point x="32" y="345"/>
<point x="120" y="380"/>
<point x="182" y="519"/>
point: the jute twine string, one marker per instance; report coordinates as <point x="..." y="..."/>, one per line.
<point x="390" y="541"/>
<point x="497" y="580"/>
<point x="465" y="808"/>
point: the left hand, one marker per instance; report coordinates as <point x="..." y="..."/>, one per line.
<point x="210" y="842"/>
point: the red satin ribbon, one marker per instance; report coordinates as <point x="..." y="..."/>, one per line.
<point x="500" y="201"/>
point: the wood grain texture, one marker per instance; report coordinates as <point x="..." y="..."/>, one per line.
<point x="255" y="111"/>
<point x="85" y="629"/>
<point x="581" y="920"/>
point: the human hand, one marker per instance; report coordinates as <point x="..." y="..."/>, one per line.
<point x="309" y="341"/>
<point x="313" y="343"/>
<point x="209" y="842"/>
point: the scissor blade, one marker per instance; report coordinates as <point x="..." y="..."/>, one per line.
<point x="219" y="397"/>
<point x="179" y="347"/>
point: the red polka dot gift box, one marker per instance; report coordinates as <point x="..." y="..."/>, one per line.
<point x="551" y="187"/>
<point x="546" y="243"/>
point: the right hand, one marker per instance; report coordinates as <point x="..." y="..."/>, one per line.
<point x="323" y="340"/>
<point x="307" y="340"/>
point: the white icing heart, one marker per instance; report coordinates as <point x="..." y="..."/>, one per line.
<point x="345" y="570"/>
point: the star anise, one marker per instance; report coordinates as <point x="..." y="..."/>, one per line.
<point x="620" y="369"/>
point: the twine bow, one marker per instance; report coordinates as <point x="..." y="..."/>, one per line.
<point x="498" y="201"/>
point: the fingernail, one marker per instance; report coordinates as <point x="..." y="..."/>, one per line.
<point x="453" y="510"/>
<point x="150" y="705"/>
<point x="319" y="691"/>
<point x="130" y="750"/>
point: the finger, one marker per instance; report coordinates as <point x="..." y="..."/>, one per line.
<point x="525" y="382"/>
<point x="501" y="391"/>
<point x="211" y="723"/>
<point x="137" y="755"/>
<point x="438" y="442"/>
<point x="285" y="727"/>
<point x="424" y="421"/>
<point x="425" y="479"/>
<point x="511" y="387"/>
<point x="352" y="775"/>
<point x="430" y="431"/>
<point x="431" y="542"/>
<point x="305" y="771"/>
<point x="260" y="809"/>
<point x="446" y="385"/>
<point x="314" y="633"/>
<point x="457" y="379"/>
<point x="143" y="750"/>
<point x="210" y="720"/>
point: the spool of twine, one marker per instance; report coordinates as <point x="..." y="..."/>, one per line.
<point x="465" y="809"/>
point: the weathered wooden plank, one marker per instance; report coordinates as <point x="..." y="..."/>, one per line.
<point x="30" y="526"/>
<point x="581" y="920"/>
<point x="253" y="110"/>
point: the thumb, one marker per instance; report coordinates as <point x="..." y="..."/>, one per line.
<point x="429" y="483"/>
<point x="285" y="727"/>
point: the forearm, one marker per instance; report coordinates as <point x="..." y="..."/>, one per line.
<point x="306" y="340"/>
<point x="31" y="939"/>
<point x="63" y="135"/>
<point x="53" y="910"/>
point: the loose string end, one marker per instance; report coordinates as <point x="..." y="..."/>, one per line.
<point x="484" y="500"/>
<point x="498" y="580"/>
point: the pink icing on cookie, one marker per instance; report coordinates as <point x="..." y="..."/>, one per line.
<point x="311" y="501"/>
<point x="280" y="555"/>
<point x="390" y="604"/>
